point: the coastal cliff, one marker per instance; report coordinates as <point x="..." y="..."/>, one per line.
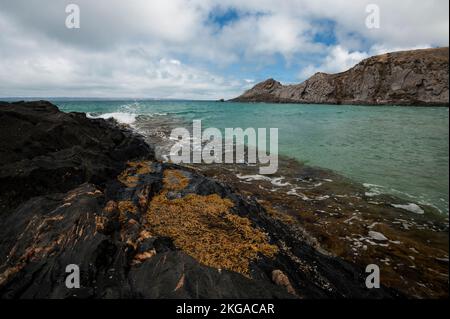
<point x="418" y="77"/>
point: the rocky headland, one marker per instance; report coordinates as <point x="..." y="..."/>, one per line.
<point x="418" y="77"/>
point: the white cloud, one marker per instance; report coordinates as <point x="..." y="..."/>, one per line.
<point x="126" y="72"/>
<point x="165" y="48"/>
<point x="338" y="60"/>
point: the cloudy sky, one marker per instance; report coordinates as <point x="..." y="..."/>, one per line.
<point x="197" y="49"/>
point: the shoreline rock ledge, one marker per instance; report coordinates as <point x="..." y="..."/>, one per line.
<point x="414" y="78"/>
<point x="76" y="191"/>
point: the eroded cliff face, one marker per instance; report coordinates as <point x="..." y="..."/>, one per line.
<point x="418" y="77"/>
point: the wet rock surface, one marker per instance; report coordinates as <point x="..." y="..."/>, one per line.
<point x="43" y="150"/>
<point x="418" y="77"/>
<point x="109" y="222"/>
<point x="342" y="218"/>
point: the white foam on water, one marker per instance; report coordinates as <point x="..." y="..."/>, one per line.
<point x="249" y="178"/>
<point x="368" y="185"/>
<point x="372" y="194"/>
<point x="123" y="118"/>
<point x="293" y="192"/>
<point x="320" y="198"/>
<point x="373" y="190"/>
<point x="276" y="181"/>
<point x="413" y="208"/>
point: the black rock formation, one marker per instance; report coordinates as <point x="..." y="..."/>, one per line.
<point x="43" y="150"/>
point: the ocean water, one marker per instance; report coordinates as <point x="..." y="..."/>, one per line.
<point x="403" y="151"/>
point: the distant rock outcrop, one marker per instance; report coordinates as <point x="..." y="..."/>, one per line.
<point x="418" y="77"/>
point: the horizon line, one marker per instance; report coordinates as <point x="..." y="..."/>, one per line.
<point x="23" y="98"/>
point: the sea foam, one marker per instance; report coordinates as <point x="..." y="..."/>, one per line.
<point x="413" y="208"/>
<point x="123" y="118"/>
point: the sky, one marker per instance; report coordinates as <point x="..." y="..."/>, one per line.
<point x="198" y="49"/>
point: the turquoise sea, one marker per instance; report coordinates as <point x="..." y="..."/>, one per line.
<point x="402" y="151"/>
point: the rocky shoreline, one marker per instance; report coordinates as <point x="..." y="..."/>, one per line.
<point x="91" y="193"/>
<point x="418" y="77"/>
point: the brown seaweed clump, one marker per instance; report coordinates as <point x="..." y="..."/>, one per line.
<point x="175" y="180"/>
<point x="204" y="227"/>
<point x="124" y="208"/>
<point x="130" y="176"/>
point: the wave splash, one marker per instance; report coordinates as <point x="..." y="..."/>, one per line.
<point x="123" y="118"/>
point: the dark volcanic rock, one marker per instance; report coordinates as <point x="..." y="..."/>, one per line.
<point x="417" y="77"/>
<point x="119" y="257"/>
<point x="71" y="199"/>
<point x="48" y="233"/>
<point x="43" y="150"/>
